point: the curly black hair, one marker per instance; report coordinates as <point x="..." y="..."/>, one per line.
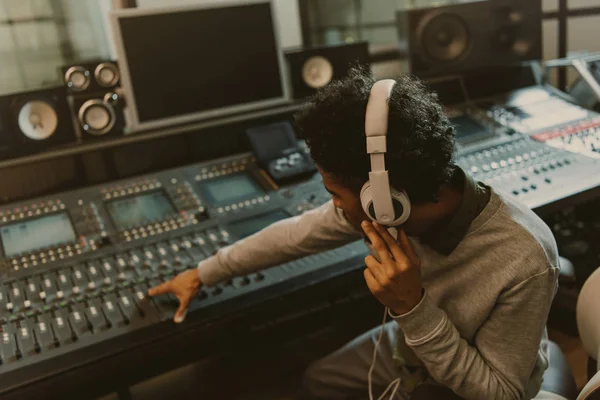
<point x="420" y="140"/>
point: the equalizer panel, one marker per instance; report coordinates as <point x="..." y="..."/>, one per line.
<point x="77" y="266"/>
<point x="520" y="146"/>
<point x="531" y="172"/>
<point x="550" y="120"/>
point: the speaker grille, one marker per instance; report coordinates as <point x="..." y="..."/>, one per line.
<point x="445" y="37"/>
<point x="314" y="68"/>
<point x="465" y="37"/>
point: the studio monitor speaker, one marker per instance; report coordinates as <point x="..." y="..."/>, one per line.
<point x="95" y="98"/>
<point x="481" y="34"/>
<point x="91" y="76"/>
<point x="98" y="116"/>
<point x="313" y="68"/>
<point x="34" y="121"/>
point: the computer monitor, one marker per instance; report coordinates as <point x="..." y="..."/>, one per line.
<point x="188" y="63"/>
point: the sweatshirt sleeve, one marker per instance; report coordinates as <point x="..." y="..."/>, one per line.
<point x="498" y="363"/>
<point x="320" y="229"/>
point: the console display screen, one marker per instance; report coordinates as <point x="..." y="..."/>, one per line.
<point x="230" y="189"/>
<point x="250" y="226"/>
<point x="140" y="210"/>
<point x="468" y="130"/>
<point x="26" y="236"/>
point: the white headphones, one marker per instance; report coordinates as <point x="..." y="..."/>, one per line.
<point x="380" y="201"/>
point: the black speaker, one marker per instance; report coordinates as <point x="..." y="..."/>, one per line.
<point x="95" y="98"/>
<point x="91" y="76"/>
<point x="34" y="121"/>
<point x="313" y="68"/>
<point x="98" y="116"/>
<point x="482" y="34"/>
<point x="516" y="29"/>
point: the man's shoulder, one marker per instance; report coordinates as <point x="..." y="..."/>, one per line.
<point x="521" y="238"/>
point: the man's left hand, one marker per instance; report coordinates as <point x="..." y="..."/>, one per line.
<point x="396" y="280"/>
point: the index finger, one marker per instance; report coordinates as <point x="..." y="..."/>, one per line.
<point x="163" y="288"/>
<point x="377" y="241"/>
<point x="394" y="247"/>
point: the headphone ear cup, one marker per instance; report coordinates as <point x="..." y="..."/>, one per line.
<point x="400" y="201"/>
<point x="402" y="207"/>
<point x="366" y="200"/>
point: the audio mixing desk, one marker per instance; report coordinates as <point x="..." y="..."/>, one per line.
<point x="532" y="146"/>
<point x="77" y="266"/>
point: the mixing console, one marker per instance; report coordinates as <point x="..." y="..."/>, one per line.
<point x="582" y="137"/>
<point x="77" y="266"/>
<point x="475" y="129"/>
<point x="544" y="151"/>
<point x="534" y="109"/>
<point x="550" y="120"/>
<point x="533" y="173"/>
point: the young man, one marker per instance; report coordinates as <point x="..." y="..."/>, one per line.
<point x="468" y="282"/>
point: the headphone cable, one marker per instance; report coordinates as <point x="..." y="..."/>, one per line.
<point x="395" y="384"/>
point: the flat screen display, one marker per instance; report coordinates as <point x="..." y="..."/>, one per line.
<point x="199" y="61"/>
<point x="29" y="235"/>
<point x="140" y="210"/>
<point x="272" y="140"/>
<point x="468" y="130"/>
<point x="230" y="189"/>
<point x="250" y="226"/>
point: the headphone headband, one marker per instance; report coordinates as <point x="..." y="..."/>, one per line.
<point x="376" y="119"/>
<point x="376" y="124"/>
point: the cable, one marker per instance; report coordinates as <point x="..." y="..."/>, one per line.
<point x="395" y="384"/>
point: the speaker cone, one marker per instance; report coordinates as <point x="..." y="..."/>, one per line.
<point x="444" y="37"/>
<point x="96" y="117"/>
<point x="516" y="36"/>
<point x="317" y="72"/>
<point x="77" y="78"/>
<point x="106" y="74"/>
<point x="37" y="120"/>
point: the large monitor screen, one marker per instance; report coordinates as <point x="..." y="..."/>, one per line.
<point x="250" y="226"/>
<point x="182" y="64"/>
<point x="34" y="234"/>
<point x="230" y="189"/>
<point x="139" y="210"/>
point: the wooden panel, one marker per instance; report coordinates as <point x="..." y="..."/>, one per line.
<point x="34" y="179"/>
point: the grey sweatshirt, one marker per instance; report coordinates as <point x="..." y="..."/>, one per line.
<point x="480" y="328"/>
